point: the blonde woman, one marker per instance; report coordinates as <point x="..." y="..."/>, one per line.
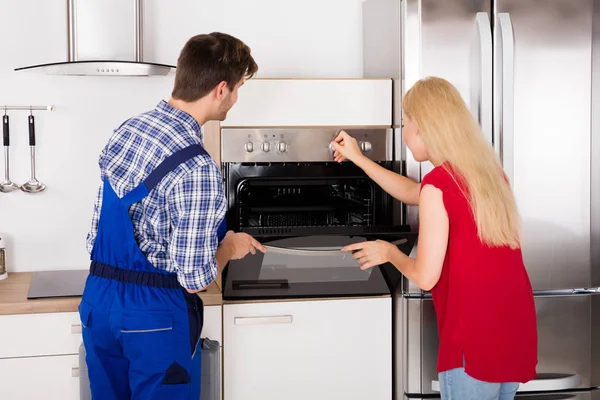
<point x="469" y="253"/>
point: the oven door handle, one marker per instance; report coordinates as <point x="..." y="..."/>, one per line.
<point x="305" y="252"/>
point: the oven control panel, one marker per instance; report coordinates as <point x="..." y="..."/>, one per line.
<point x="299" y="144"/>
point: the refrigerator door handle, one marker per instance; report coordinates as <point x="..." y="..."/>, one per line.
<point x="594" y="290"/>
<point x="566" y="292"/>
<point x="411" y="25"/>
<point x="505" y="118"/>
<point x="542" y="383"/>
<point x="482" y="59"/>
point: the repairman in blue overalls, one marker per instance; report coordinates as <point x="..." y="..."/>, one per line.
<point x="158" y="233"/>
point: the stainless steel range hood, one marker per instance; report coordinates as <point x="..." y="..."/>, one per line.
<point x="94" y="63"/>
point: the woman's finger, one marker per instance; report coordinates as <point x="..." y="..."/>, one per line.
<point x="359" y="254"/>
<point x="367" y="265"/>
<point x="362" y="260"/>
<point x="354" y="246"/>
<point x="341" y="136"/>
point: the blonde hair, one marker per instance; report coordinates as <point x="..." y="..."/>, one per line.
<point x="453" y="136"/>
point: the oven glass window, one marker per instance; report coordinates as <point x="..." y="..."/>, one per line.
<point x="317" y="264"/>
<point x="312" y="203"/>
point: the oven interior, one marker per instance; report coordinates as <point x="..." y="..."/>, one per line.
<point x="300" y="202"/>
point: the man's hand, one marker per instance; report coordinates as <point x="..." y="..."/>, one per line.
<point x="241" y="244"/>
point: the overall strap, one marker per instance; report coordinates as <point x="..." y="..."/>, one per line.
<point x="162" y="170"/>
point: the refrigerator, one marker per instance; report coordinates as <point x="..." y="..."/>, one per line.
<point x="529" y="71"/>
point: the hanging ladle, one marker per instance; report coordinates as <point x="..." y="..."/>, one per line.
<point x="7" y="185"/>
<point x="33" y="186"/>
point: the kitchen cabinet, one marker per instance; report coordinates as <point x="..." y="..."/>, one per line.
<point x="27" y="335"/>
<point x="213" y="323"/>
<point x="301" y="350"/>
<point x="39" y="353"/>
<point x="213" y="330"/>
<point x="324" y="102"/>
<point x="49" y="378"/>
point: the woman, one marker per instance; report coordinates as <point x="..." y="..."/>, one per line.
<point x="468" y="252"/>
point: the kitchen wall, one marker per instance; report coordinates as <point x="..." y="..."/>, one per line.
<point x="46" y="231"/>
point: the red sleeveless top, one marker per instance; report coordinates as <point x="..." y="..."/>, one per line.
<point x="483" y="300"/>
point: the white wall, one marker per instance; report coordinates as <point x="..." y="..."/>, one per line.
<point x="309" y="38"/>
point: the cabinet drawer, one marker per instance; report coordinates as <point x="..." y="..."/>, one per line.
<point x="338" y="349"/>
<point x="213" y="323"/>
<point x="25" y="335"/>
<point x="49" y="378"/>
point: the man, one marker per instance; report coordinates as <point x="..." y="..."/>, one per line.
<point x="158" y="233"/>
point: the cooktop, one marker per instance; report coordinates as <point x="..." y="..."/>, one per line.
<point x="66" y="283"/>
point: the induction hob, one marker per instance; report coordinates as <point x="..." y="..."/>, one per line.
<point x="66" y="283"/>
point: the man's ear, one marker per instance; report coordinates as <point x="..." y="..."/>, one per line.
<point x="221" y="90"/>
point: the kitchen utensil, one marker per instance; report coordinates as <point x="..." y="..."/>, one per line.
<point x="7" y="185"/>
<point x="33" y="186"/>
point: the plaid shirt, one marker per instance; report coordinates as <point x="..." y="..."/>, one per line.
<point x="176" y="224"/>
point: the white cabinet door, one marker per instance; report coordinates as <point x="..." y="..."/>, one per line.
<point x="312" y="102"/>
<point x="213" y="330"/>
<point x="48" y="378"/>
<point x="337" y="349"/>
<point x="213" y="323"/>
<point x="26" y="335"/>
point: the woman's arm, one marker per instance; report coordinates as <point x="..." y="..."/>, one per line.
<point x="425" y="270"/>
<point x="398" y="186"/>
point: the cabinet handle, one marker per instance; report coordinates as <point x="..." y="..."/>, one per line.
<point x="75" y="372"/>
<point x="75" y="329"/>
<point x="281" y="319"/>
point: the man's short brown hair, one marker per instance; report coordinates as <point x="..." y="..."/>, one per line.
<point x="207" y="60"/>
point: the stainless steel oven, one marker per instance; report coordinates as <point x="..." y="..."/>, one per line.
<point x="284" y="188"/>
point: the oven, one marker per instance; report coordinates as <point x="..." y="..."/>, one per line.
<point x="284" y="189"/>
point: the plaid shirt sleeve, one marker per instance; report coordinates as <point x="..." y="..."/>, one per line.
<point x="197" y="205"/>
<point x="97" y="205"/>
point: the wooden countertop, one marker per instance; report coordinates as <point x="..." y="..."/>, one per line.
<point x="13" y="297"/>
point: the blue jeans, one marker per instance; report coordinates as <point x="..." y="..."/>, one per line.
<point x="455" y="384"/>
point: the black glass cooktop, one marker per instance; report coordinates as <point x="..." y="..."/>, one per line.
<point x="310" y="266"/>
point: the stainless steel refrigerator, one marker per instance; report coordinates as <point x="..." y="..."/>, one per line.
<point x="529" y="70"/>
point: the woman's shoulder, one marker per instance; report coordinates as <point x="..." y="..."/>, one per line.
<point x="439" y="177"/>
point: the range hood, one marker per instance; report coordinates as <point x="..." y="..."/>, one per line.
<point x="102" y="43"/>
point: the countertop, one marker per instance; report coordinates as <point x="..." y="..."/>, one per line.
<point x="13" y="297"/>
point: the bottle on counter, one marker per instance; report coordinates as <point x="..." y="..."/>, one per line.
<point x="3" y="272"/>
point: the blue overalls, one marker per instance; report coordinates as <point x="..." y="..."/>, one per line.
<point x="141" y="329"/>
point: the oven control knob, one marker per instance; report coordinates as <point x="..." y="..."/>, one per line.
<point x="365" y="146"/>
<point x="265" y="146"/>
<point x="281" y="147"/>
<point x="249" y="147"/>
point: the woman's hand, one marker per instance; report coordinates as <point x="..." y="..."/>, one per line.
<point x="371" y="253"/>
<point x="346" y="148"/>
